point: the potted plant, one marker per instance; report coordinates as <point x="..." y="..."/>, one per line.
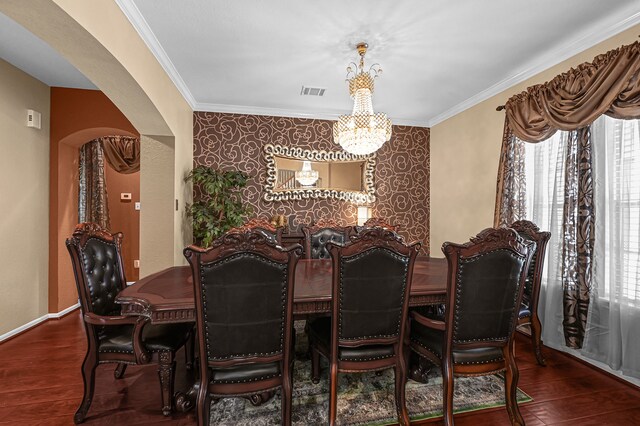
<point x="217" y="206"/>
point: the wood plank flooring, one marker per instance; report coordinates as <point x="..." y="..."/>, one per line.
<point x="40" y="384"/>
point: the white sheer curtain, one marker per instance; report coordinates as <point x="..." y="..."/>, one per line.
<point x="544" y="168"/>
<point x="613" y="325"/>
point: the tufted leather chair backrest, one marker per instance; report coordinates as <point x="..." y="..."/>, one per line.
<point x="243" y="306"/>
<point x="372" y="289"/>
<point x="97" y="262"/>
<point x="486" y="293"/>
<point x="316" y="241"/>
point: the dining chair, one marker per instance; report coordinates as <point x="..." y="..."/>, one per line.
<point x="366" y="331"/>
<point x="96" y="256"/>
<point x="528" y="314"/>
<point x="485" y="284"/>
<point x="243" y="288"/>
<point x="264" y="226"/>
<point x="322" y="232"/>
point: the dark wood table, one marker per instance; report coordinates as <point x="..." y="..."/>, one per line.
<point x="167" y="296"/>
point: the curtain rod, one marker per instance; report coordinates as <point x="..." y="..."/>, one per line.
<point x="500" y="108"/>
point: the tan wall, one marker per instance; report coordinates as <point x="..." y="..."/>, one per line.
<point x="465" y="150"/>
<point x="24" y="186"/>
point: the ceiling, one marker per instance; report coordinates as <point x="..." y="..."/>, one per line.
<point x="22" y="49"/>
<point x="251" y="56"/>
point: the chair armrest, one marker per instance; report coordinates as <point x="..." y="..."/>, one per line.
<point x="94" y="319"/>
<point x="428" y="322"/>
<point x="138" y="322"/>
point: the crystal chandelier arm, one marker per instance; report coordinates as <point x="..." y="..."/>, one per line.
<point x="350" y="71"/>
<point x="376" y="69"/>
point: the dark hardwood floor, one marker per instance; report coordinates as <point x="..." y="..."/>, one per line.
<point x="40" y="384"/>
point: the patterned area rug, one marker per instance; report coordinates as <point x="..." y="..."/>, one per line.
<point x="363" y="398"/>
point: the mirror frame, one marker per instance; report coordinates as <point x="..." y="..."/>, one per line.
<point x="358" y="197"/>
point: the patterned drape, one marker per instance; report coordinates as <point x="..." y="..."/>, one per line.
<point x="93" y="203"/>
<point x="578" y="230"/>
<point x="510" y="199"/>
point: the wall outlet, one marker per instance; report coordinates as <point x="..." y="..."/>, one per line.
<point x="136" y="264"/>
<point x="137" y="205"/>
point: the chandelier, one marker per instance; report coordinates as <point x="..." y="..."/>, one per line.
<point x="363" y="132"/>
<point x="307" y="176"/>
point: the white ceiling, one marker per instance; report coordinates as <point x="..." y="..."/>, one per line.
<point x="22" y="49"/>
<point x="439" y="57"/>
<point x="251" y="56"/>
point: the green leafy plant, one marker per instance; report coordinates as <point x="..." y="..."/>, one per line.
<point x="217" y="206"/>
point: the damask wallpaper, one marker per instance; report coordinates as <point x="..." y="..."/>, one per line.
<point x="235" y="142"/>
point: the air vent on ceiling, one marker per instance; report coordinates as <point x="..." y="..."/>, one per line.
<point x="312" y="91"/>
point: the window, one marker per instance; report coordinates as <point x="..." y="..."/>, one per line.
<point x="616" y="171"/>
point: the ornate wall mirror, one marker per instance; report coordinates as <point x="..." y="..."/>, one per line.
<point x="296" y="174"/>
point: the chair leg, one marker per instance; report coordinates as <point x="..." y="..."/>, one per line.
<point x="511" y="385"/>
<point x="119" y="371"/>
<point x="315" y="365"/>
<point x="189" y="350"/>
<point x="447" y="392"/>
<point x="333" y="394"/>
<point x="287" y="390"/>
<point x="401" y="405"/>
<point x="89" y="378"/>
<point x="536" y="332"/>
<point x="166" y="372"/>
<point x="203" y="405"/>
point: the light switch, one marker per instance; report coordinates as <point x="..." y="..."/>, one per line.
<point x="137" y="205"/>
<point x="125" y="196"/>
<point x="136" y="264"/>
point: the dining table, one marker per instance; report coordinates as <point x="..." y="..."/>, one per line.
<point x="167" y="296"/>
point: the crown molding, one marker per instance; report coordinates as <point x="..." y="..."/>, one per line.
<point x="548" y="60"/>
<point x="134" y="16"/>
<point x="281" y="112"/>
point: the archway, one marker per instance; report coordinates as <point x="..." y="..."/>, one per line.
<point x="101" y="43"/>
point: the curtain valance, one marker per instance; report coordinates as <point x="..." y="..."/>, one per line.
<point x="122" y="153"/>
<point x="610" y="84"/>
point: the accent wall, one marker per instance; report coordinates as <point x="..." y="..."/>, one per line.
<point x="235" y="142"/>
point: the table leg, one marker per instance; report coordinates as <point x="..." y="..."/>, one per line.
<point x="419" y="368"/>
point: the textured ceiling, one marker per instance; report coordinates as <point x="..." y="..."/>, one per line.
<point x="22" y="49"/>
<point x="439" y="57"/>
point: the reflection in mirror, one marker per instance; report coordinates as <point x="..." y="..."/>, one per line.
<point x="295" y="174"/>
<point x="298" y="174"/>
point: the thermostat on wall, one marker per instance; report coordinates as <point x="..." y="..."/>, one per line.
<point x="33" y="119"/>
<point x="125" y="196"/>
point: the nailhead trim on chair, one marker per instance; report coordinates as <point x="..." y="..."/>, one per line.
<point x="367" y="359"/>
<point x="458" y="363"/>
<point x="283" y="299"/>
<point x="269" y="376"/>
<point x="403" y="259"/>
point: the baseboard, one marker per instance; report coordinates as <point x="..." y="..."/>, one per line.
<point x="55" y="315"/>
<point x="58" y="315"/>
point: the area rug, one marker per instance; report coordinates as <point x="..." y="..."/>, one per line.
<point x="363" y="398"/>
